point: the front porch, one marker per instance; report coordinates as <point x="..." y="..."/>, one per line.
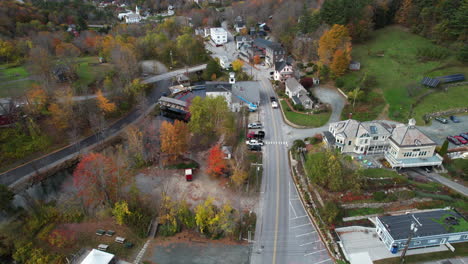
<point x="435" y="160"/>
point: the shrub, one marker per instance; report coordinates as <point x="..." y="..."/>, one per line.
<point x="298" y="144"/>
<point x="463" y="54"/>
<point x="379" y="196"/>
<point x="307" y="82"/>
<point x="339" y="83"/>
<point x="300" y="65"/>
<point x="331" y="213"/>
<point x="298" y="107"/>
<point x="431" y="53"/>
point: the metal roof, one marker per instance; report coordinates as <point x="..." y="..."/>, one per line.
<point x="432" y="223"/>
<point x="430" y="82"/>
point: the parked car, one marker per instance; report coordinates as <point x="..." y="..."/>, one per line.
<point x="257" y="142"/>
<point x="454" y="119"/>
<point x="254" y="125"/>
<point x="255" y="147"/>
<point x="441" y="119"/>
<point x="461" y="139"/>
<point x="464" y="135"/>
<point x="258" y="135"/>
<point x="274" y="104"/>
<point x="453" y="140"/>
<point x="272" y="99"/>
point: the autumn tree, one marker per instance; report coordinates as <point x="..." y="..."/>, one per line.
<point x="6" y="198"/>
<point x="36" y="99"/>
<point x="237" y="65"/>
<point x="135" y="144"/>
<point x="119" y="211"/>
<point x="340" y="62"/>
<point x="41" y="65"/>
<point x="256" y="59"/>
<point x="337" y="38"/>
<point x="239" y="177"/>
<point x="135" y="87"/>
<point x="210" y="115"/>
<point x="216" y="162"/>
<point x="215" y="222"/>
<point x="174" y="138"/>
<point x="61" y="110"/>
<point x="97" y="179"/>
<point x="168" y="216"/>
<point x="104" y="104"/>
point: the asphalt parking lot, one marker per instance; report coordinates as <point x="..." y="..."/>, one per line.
<point x="307" y="240"/>
<point x="439" y="132"/>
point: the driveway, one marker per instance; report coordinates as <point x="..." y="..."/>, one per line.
<point x="439" y="132"/>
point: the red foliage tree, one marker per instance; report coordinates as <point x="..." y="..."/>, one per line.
<point x="216" y="162"/>
<point x="307" y="82"/>
<point x="98" y="179"/>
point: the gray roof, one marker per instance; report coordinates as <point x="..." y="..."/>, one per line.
<point x="408" y="135"/>
<point x="263" y="43"/>
<point x="248" y="90"/>
<point x="433" y="223"/>
<point x="329" y="137"/>
<point x="293" y="85"/>
<point x="279" y="66"/>
<point x="352" y="128"/>
<point x="296" y="100"/>
<point x="218" y="87"/>
<point x="242" y="38"/>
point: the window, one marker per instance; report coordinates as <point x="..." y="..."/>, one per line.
<point x="365" y="142"/>
<point x="417" y="243"/>
<point x="432" y="241"/>
<point x="416" y="150"/>
<point x="349" y="143"/>
<point x="375" y="138"/>
<point x="422" y="153"/>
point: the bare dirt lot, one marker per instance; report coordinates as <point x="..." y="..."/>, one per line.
<point x="154" y="181"/>
<point x="189" y="247"/>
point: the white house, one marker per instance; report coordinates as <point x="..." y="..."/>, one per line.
<point x="283" y="71"/>
<point x="409" y="147"/>
<point x="298" y="93"/>
<point x="242" y="41"/>
<point x="224" y="62"/>
<point x="218" y="36"/>
<point x="239" y="24"/>
<point x="351" y="136"/>
<point x="236" y="94"/>
<point x="130" y="16"/>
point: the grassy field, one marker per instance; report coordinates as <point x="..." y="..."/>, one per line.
<point x="12" y="81"/>
<point x="455" y="97"/>
<point x="391" y="56"/>
<point x="89" y="70"/>
<point x="461" y="249"/>
<point x="315" y="120"/>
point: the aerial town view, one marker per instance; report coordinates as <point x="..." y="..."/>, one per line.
<point x="233" y="131"/>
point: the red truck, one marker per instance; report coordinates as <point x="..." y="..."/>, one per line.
<point x="258" y="135"/>
<point x="188" y="175"/>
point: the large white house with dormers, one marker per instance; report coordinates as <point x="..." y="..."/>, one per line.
<point x="403" y="146"/>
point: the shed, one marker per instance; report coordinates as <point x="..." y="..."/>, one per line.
<point x="227" y="150"/>
<point x="355" y="65"/>
<point x="97" y="256"/>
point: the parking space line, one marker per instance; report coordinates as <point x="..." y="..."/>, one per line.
<point x="308" y="243"/>
<point x="326" y="260"/>
<point x="308" y="254"/>
<point x="306" y="234"/>
<point x="294" y="211"/>
<point x="300" y="225"/>
<point x="297" y="217"/>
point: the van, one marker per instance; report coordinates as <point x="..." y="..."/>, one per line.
<point x="188" y="175"/>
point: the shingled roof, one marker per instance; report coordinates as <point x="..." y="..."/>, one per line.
<point x="410" y="135"/>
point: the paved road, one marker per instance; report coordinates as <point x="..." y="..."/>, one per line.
<point x="284" y="233"/>
<point x="27" y="170"/>
<point x="172" y="74"/>
<point x="449" y="183"/>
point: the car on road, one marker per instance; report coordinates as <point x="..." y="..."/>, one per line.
<point x="441" y="119"/>
<point x="454" y="119"/>
<point x="274" y="104"/>
<point x="461" y="139"/>
<point x="464" y="135"/>
<point x="255" y="147"/>
<point x="257" y="142"/>
<point x="254" y="125"/>
<point x="259" y="135"/>
<point x="453" y="140"/>
<point x="272" y="99"/>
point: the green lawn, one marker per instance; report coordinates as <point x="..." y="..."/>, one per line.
<point x="89" y="70"/>
<point x="315" y="120"/>
<point x="399" y="69"/>
<point x="455" y="97"/>
<point x="363" y="211"/>
<point x="10" y="77"/>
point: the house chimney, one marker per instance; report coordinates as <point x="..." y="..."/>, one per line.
<point x="411" y="123"/>
<point x="232" y="78"/>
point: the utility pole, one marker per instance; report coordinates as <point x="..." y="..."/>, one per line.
<point x="172" y="62"/>
<point x="413" y="229"/>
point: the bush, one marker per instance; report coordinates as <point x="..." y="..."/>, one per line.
<point x="307" y="82"/>
<point x="434" y="196"/>
<point x="463" y="54"/>
<point x="331" y="213"/>
<point x="431" y="53"/>
<point x="379" y="196"/>
<point x="298" y="107"/>
<point x="300" y="65"/>
<point x="339" y="83"/>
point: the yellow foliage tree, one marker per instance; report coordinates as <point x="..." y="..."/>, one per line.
<point x="119" y="211"/>
<point x="340" y="62"/>
<point x="104" y="104"/>
<point x="332" y="40"/>
<point x="237" y="65"/>
<point x="36" y="98"/>
<point x="174" y="138"/>
<point x="61" y="110"/>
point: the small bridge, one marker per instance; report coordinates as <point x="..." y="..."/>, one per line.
<point x="173" y="103"/>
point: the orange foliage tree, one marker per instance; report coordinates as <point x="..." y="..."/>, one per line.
<point x="36" y="98"/>
<point x="174" y="138"/>
<point x="98" y="179"/>
<point x="104" y="104"/>
<point x="332" y="40"/>
<point x="340" y="62"/>
<point x="216" y="162"/>
<point x="256" y="59"/>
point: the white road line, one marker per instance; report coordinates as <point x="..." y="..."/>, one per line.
<point x="308" y="243"/>
<point x="323" y="261"/>
<point x="294" y="211"/>
<point x="308" y="254"/>
<point x="297" y="217"/>
<point x="310" y="233"/>
<point x="300" y="225"/>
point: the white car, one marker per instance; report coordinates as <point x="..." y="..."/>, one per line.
<point x="254" y="142"/>
<point x="254" y="125"/>
<point x="274" y="104"/>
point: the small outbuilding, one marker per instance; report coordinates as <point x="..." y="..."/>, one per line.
<point x="97" y="256"/>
